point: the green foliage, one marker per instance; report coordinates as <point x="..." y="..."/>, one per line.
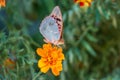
<point x="92" y="42"/>
<point x="17" y="46"/>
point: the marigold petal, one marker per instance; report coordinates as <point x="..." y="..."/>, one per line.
<point x="47" y="46"/>
<point x="57" y="68"/>
<point x="54" y="54"/>
<point x="60" y="49"/>
<point x="40" y="52"/>
<point x="42" y="63"/>
<point x="87" y="4"/>
<point x="45" y="69"/>
<point x="89" y="0"/>
<point x="55" y="71"/>
<point x="61" y="56"/>
<point x="59" y="63"/>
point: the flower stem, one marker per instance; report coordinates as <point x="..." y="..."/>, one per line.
<point x="36" y="75"/>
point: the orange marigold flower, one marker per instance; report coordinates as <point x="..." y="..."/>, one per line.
<point x="51" y="58"/>
<point x="2" y="3"/>
<point x="83" y="3"/>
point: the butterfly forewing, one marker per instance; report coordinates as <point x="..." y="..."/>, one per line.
<point x="56" y="14"/>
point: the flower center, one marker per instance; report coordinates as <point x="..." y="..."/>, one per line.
<point x="81" y="3"/>
<point x="51" y="60"/>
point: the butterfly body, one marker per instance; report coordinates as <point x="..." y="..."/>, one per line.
<point x="51" y="27"/>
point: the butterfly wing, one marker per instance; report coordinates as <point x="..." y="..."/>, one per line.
<point x="56" y="14"/>
<point x="51" y="27"/>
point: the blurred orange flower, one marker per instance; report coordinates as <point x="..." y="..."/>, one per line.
<point x="83" y="3"/>
<point x="8" y="63"/>
<point x="51" y="58"/>
<point x="2" y="3"/>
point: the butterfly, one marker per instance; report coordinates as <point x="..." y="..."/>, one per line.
<point x="52" y="26"/>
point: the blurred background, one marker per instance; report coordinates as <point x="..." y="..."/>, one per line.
<point x="92" y="39"/>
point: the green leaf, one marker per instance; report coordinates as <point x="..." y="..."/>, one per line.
<point x="91" y="37"/>
<point x="89" y="48"/>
